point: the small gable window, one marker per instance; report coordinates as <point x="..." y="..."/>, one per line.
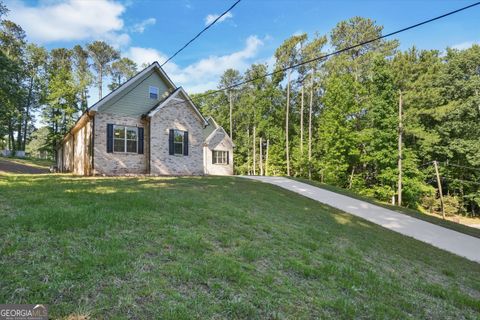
<point x="125" y="139"/>
<point x="153" y="92"/>
<point x="219" y="157"/>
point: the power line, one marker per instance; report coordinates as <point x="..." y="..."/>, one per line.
<point x="464" y="181"/>
<point x="459" y="166"/>
<point x="336" y="52"/>
<point x="200" y="33"/>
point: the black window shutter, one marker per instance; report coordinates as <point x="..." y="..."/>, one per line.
<point x="213" y="157"/>
<point x="228" y="157"/>
<point x="185" y="143"/>
<point x="170" y="142"/>
<point x="109" y="138"/>
<point x="140" y="140"/>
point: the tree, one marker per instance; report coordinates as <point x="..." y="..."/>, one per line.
<point x="121" y="71"/>
<point x="102" y="55"/>
<point x="12" y="46"/>
<point x="286" y="55"/>
<point x="61" y="103"/>
<point x="229" y="78"/>
<point x="35" y="63"/>
<point x="82" y="75"/>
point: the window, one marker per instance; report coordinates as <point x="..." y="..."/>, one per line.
<point x="153" y="92"/>
<point x="219" y="157"/>
<point x="178" y="142"/>
<point x="125" y="139"/>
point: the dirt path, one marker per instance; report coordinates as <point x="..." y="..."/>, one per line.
<point x="443" y="238"/>
<point x="9" y="166"/>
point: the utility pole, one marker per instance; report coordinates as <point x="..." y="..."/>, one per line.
<point x="261" y="156"/>
<point x="287" y="111"/>
<point x="266" y="159"/>
<point x="231" y="111"/>
<point x="248" y="152"/>
<point x="301" y="122"/>
<point x="310" y="130"/>
<point x="439" y="184"/>
<point x="400" y="132"/>
<point x="254" y="152"/>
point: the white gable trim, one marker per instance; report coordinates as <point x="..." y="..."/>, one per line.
<point x="173" y="97"/>
<point x="215" y="124"/>
<point x="127" y="84"/>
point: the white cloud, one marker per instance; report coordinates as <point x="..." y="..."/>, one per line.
<point x="140" y="27"/>
<point x="464" y="45"/>
<point x="203" y="74"/>
<point x="211" y="17"/>
<point x="71" y="20"/>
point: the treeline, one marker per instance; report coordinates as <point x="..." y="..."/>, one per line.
<point x="53" y="85"/>
<point x="337" y="120"/>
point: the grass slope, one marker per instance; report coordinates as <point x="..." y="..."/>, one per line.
<point x="180" y="248"/>
<point x="474" y="232"/>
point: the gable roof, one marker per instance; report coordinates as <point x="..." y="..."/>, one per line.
<point x="154" y="66"/>
<point x="211" y="143"/>
<point x="173" y="97"/>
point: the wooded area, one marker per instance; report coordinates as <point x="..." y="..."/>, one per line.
<point x="52" y="85"/>
<point x="337" y="120"/>
<point x="334" y="120"/>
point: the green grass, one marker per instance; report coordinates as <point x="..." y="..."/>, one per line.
<point x="474" y="232"/>
<point x="212" y="247"/>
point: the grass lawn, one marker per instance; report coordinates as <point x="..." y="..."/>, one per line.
<point x="474" y="232"/>
<point x="213" y="247"/>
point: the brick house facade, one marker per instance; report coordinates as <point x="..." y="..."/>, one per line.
<point x="146" y="126"/>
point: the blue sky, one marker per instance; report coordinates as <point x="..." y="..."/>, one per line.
<point x="151" y="30"/>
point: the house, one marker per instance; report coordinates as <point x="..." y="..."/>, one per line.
<point x="146" y="126"/>
<point x="218" y="146"/>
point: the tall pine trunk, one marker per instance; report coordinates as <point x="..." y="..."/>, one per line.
<point x="287" y="111"/>
<point x="310" y="111"/>
<point x="254" y="152"/>
<point x="231" y="111"/>
<point x="100" y="82"/>
<point x="27" y="113"/>
<point x="301" y="122"/>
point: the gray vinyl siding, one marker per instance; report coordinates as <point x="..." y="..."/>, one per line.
<point x="136" y="101"/>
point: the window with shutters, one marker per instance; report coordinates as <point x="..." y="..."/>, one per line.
<point x="125" y="139"/>
<point x="219" y="157"/>
<point x="178" y="142"/>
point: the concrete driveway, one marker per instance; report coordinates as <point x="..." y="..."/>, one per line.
<point x="443" y="238"/>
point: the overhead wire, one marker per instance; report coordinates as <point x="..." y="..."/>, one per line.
<point x="200" y="33"/>
<point x="325" y="56"/>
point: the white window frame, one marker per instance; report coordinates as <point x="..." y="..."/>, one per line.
<point x="224" y="158"/>
<point x="182" y="133"/>
<point x="154" y="90"/>
<point x="125" y="139"/>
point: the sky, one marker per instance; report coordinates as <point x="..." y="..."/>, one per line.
<point x="149" y="30"/>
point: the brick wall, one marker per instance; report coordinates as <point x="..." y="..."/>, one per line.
<point x="181" y="116"/>
<point x="117" y="163"/>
